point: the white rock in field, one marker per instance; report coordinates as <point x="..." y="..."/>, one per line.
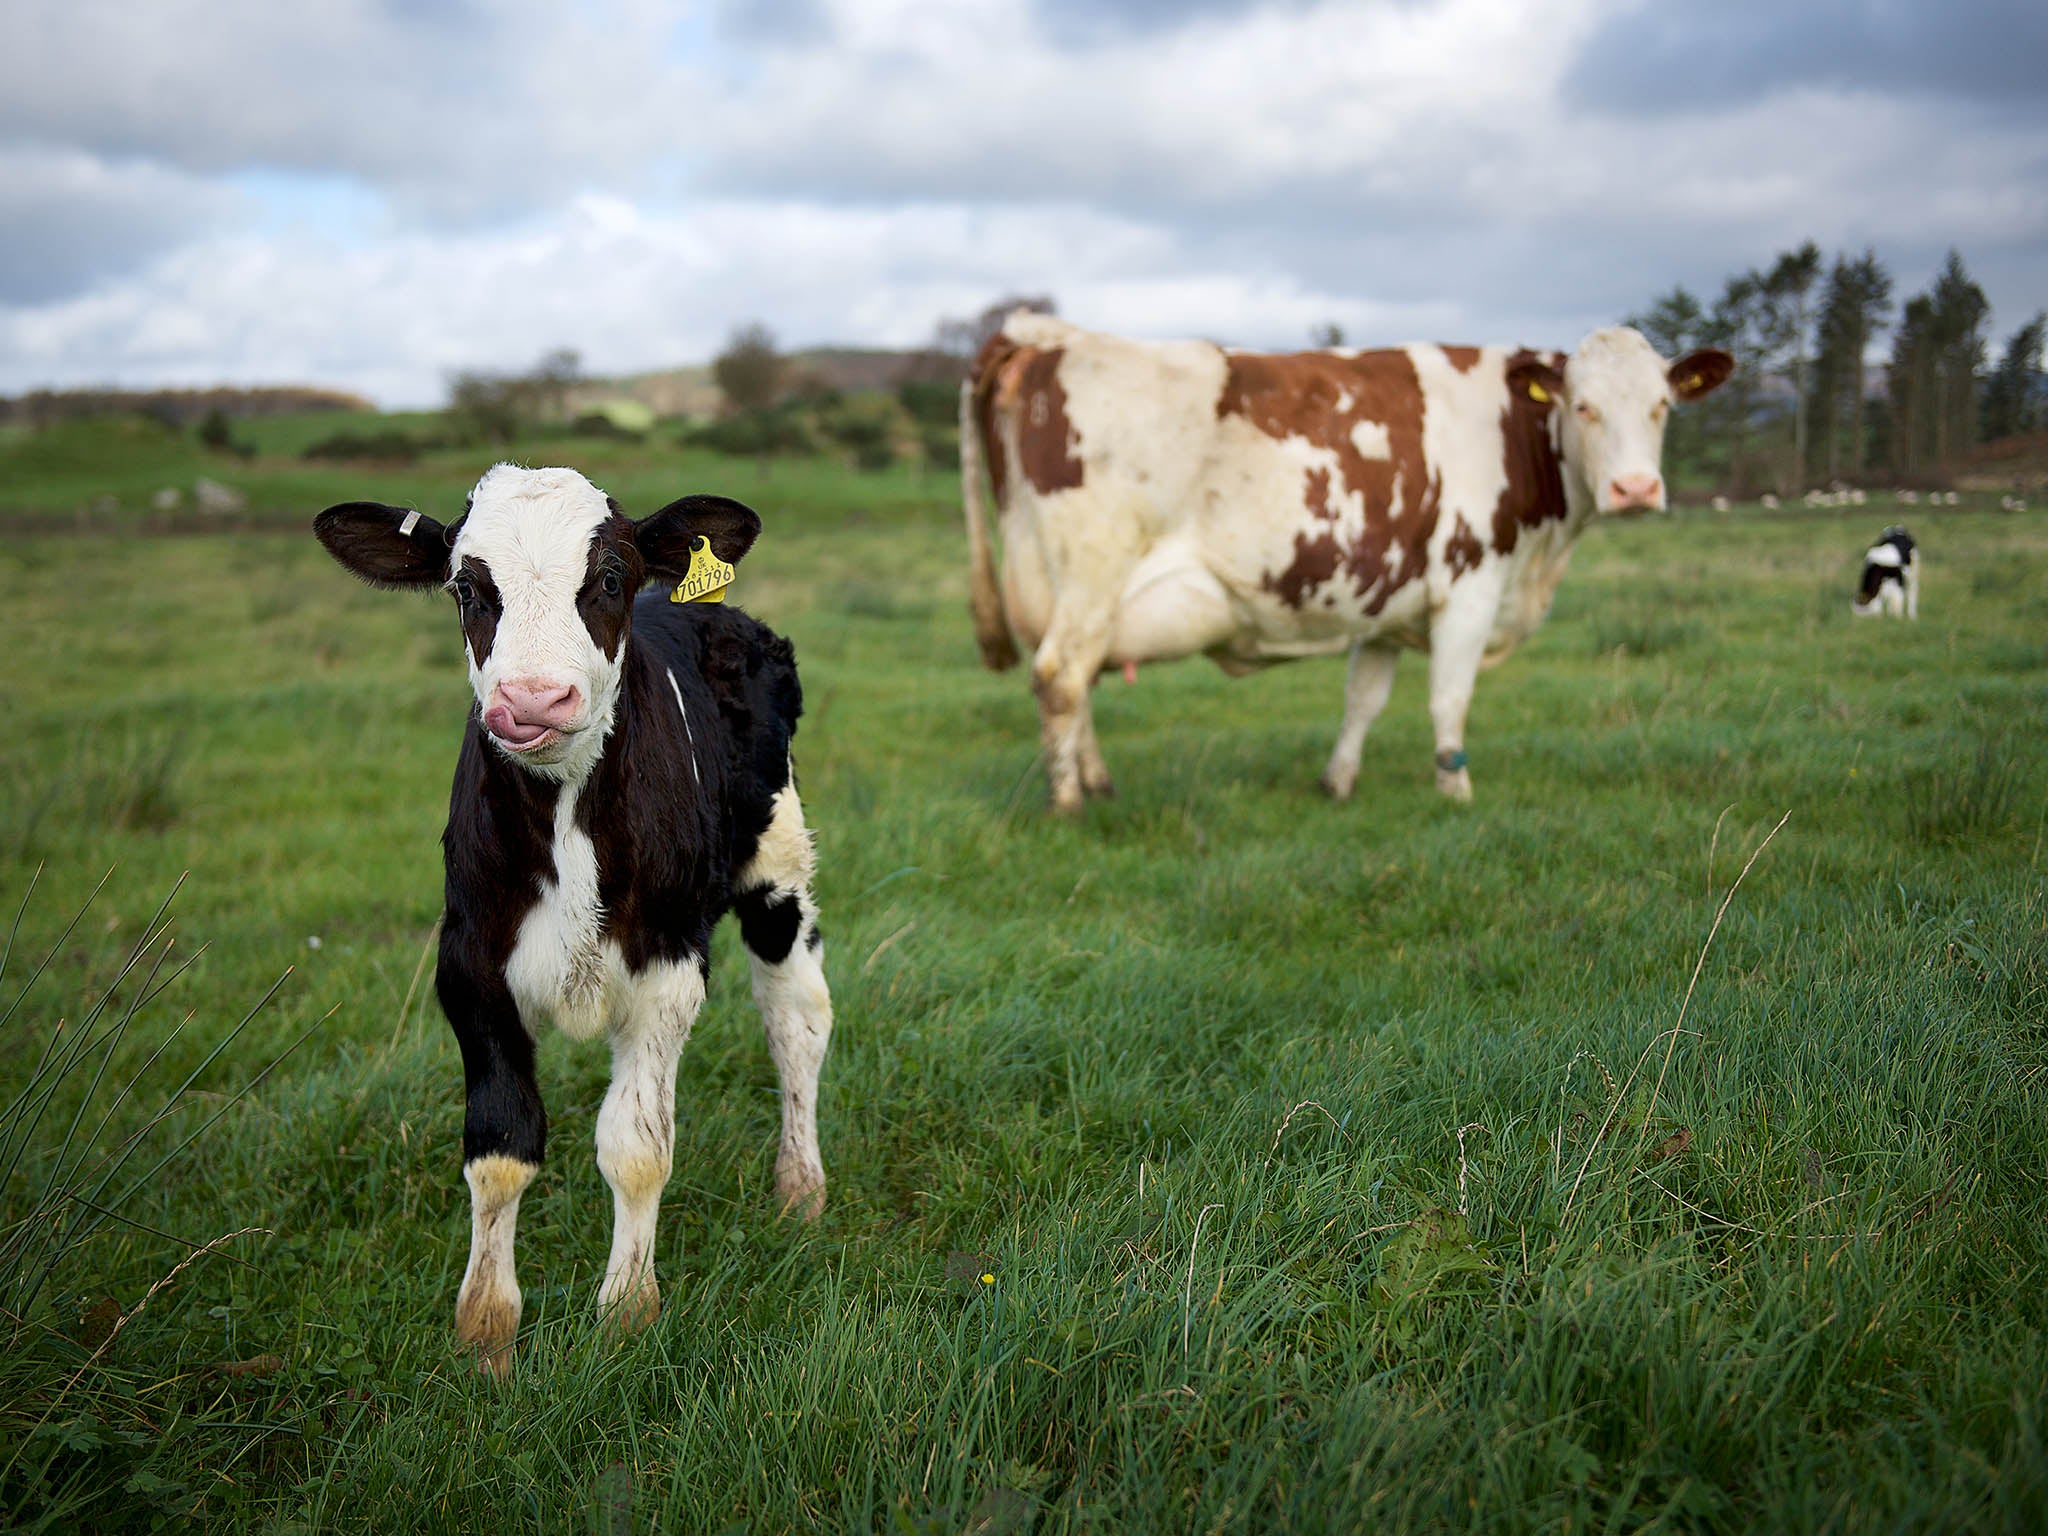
<point x="217" y="500"/>
<point x="1768" y="500"/>
<point x="169" y="499"/>
<point x="1719" y="503"/>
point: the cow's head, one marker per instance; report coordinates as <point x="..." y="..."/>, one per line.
<point x="543" y="568"/>
<point x="1611" y="403"/>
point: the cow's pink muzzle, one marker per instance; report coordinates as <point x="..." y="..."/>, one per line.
<point x="1634" y="493"/>
<point x="531" y="712"/>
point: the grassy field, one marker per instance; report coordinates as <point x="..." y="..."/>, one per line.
<point x="1338" y="1167"/>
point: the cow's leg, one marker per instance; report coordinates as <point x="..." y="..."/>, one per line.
<point x="1062" y="675"/>
<point x="1912" y="593"/>
<point x="1458" y="633"/>
<point x="1095" y="780"/>
<point x="636" y="1130"/>
<point x="779" y="926"/>
<point x="504" y="1138"/>
<point x="1366" y="686"/>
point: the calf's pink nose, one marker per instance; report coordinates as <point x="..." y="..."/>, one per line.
<point x="1627" y="491"/>
<point x="525" y="708"/>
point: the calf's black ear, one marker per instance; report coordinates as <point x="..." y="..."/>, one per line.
<point x="665" y="538"/>
<point x="386" y="546"/>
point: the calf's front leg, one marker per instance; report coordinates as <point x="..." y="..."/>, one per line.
<point x="504" y="1138"/>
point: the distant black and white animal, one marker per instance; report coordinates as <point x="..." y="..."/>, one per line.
<point x="1891" y="577"/>
<point x="625" y="780"/>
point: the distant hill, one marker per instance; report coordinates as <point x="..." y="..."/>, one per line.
<point x="691" y="391"/>
<point x="174" y="407"/>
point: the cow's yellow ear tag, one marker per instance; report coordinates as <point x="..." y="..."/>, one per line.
<point x="707" y="579"/>
<point x="1538" y="393"/>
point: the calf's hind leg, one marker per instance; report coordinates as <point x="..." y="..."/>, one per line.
<point x="779" y="926"/>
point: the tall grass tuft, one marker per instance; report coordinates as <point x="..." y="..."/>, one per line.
<point x="1965" y="798"/>
<point x="77" y="1146"/>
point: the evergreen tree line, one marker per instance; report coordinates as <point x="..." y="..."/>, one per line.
<point x="1808" y="403"/>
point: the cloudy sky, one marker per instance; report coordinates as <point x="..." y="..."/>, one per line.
<point x="370" y="193"/>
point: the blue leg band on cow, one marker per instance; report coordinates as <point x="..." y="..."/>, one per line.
<point x="1451" y="762"/>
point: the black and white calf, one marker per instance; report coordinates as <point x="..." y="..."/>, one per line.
<point x="625" y="779"/>
<point x="1891" y="577"/>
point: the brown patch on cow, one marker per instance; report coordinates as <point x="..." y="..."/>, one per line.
<point x="1463" y="551"/>
<point x="987" y="375"/>
<point x="1534" y="493"/>
<point x="1046" y="440"/>
<point x="1464" y="359"/>
<point x="1322" y="399"/>
<point x="1021" y="385"/>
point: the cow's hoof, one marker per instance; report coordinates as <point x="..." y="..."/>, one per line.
<point x="1069" y="805"/>
<point x="1337" y="785"/>
<point x="800" y="1190"/>
<point x="1100" y="789"/>
<point x="1455" y="785"/>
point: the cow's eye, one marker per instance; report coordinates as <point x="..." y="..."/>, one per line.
<point x="1587" y="413"/>
<point x="611" y="584"/>
<point x="465" y="591"/>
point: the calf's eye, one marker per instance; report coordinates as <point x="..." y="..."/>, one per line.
<point x="465" y="591"/>
<point x="611" y="584"/>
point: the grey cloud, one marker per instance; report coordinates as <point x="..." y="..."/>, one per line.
<point x="1685" y="58"/>
<point x="459" y="110"/>
<point x="74" y="220"/>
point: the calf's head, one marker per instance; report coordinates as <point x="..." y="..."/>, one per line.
<point x="1610" y="407"/>
<point x="543" y="568"/>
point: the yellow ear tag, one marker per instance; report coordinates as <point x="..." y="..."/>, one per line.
<point x="1538" y="393"/>
<point x="708" y="577"/>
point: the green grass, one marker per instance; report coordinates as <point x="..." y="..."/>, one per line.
<point x="1189" y="1079"/>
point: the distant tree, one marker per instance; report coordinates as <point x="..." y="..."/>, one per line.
<point x="1909" y="381"/>
<point x="1786" y="294"/>
<point x="550" y="381"/>
<point x="1728" y="416"/>
<point x="965" y="338"/>
<point x="1327" y="333"/>
<point x="1672" y="324"/>
<point x="2012" y="395"/>
<point x="750" y="370"/>
<point x="1960" y="310"/>
<point x="1853" y="309"/>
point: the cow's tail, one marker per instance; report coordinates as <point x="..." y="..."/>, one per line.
<point x="991" y="628"/>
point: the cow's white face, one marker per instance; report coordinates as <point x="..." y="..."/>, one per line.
<point x="1613" y="402"/>
<point x="543" y="601"/>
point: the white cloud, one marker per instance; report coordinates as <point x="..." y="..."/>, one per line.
<point x="633" y="182"/>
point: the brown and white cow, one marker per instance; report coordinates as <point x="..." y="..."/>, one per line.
<point x="1162" y="499"/>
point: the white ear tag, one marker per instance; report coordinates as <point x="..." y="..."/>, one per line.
<point x="412" y="521"/>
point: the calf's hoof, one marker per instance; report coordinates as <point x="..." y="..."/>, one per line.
<point x="487" y="1323"/>
<point x="632" y="1309"/>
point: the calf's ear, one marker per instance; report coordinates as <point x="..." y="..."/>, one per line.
<point x="1699" y="373"/>
<point x="386" y="546"/>
<point x="665" y="538"/>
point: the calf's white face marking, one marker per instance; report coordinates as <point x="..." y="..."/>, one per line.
<point x="528" y="534"/>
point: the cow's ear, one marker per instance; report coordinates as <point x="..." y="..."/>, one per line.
<point x="1700" y="373"/>
<point x="1533" y="379"/>
<point x="386" y="546"/>
<point x="666" y="538"/>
